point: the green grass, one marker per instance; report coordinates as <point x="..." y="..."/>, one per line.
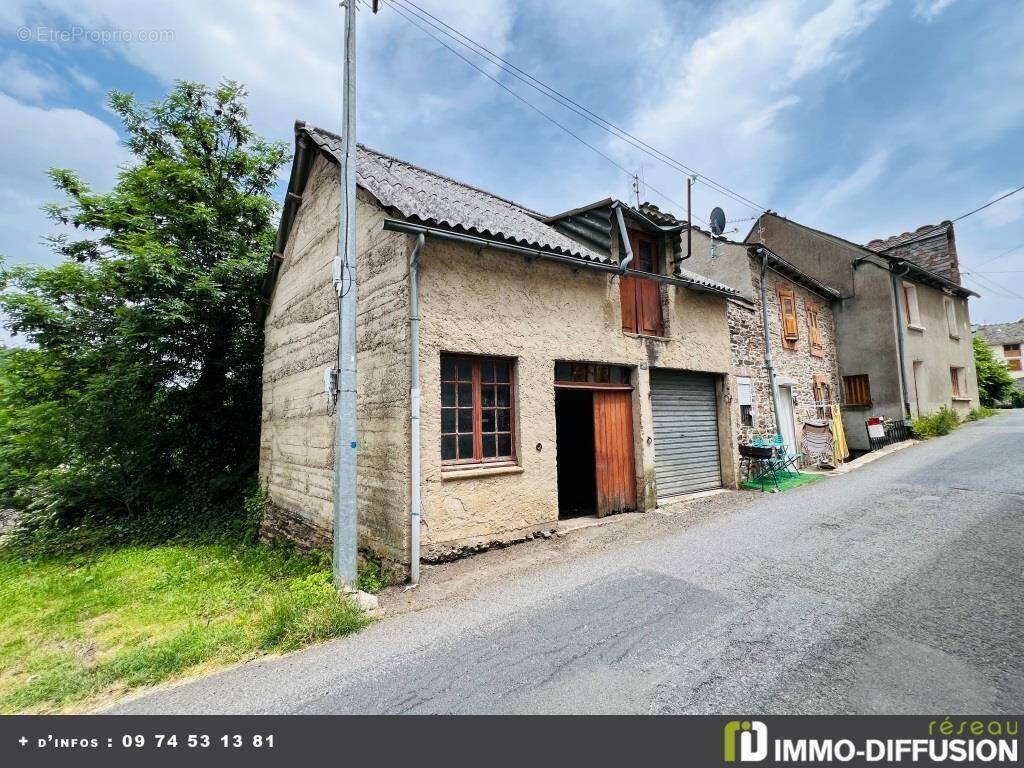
<point x="785" y="482"/>
<point x="78" y="626"/>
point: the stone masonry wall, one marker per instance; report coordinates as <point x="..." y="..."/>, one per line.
<point x="798" y="365"/>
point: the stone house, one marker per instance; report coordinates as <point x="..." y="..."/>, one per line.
<point x="902" y="322"/>
<point x="801" y="335"/>
<point x="567" y="364"/>
<point x="1006" y="341"/>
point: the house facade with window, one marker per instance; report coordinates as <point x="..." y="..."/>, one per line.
<point x="902" y="320"/>
<point x="801" y="336"/>
<point x="1006" y="340"/>
<point x="568" y="365"/>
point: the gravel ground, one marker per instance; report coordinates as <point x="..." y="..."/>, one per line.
<point x="896" y="588"/>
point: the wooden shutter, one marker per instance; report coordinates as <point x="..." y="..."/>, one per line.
<point x="814" y="330"/>
<point x="613" y="449"/>
<point x="857" y="390"/>
<point x="787" y="310"/>
<point x="627" y="293"/>
<point x="650" y="308"/>
<point x="641" y="299"/>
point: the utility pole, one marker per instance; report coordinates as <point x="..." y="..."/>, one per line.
<point x="346" y="508"/>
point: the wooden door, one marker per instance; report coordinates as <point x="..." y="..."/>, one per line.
<point x="613" y="451"/>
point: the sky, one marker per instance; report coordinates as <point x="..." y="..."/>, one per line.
<point x="865" y="118"/>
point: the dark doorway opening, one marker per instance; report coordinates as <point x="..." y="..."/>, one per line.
<point x="574" y="435"/>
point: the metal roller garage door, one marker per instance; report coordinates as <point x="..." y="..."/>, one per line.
<point x="685" y="409"/>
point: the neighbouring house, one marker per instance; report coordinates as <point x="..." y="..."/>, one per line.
<point x="567" y="365"/>
<point x="902" y="323"/>
<point x="1006" y="341"/>
<point x="801" y="335"/>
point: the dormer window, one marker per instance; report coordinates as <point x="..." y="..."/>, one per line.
<point x="641" y="299"/>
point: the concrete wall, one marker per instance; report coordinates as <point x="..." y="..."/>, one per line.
<point x="936" y="350"/>
<point x="487" y="302"/>
<point x="297" y="441"/>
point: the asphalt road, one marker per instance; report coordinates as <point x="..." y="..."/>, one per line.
<point x="894" y="589"/>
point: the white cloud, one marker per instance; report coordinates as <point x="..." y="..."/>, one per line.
<point x="27" y="81"/>
<point x="288" y="55"/>
<point x="1005" y="211"/>
<point x="722" y="102"/>
<point x="930" y="9"/>
<point x="32" y="140"/>
<point x="833" y="194"/>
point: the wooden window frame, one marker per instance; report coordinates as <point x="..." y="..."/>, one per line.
<point x="478" y="459"/>
<point x="634" y="289"/>
<point x="911" y="306"/>
<point x="785" y="293"/>
<point x="951" y="318"/>
<point x="817" y="347"/>
<point x="957" y="382"/>
<point x="857" y="390"/>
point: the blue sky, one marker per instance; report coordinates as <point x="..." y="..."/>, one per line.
<point x="861" y="117"/>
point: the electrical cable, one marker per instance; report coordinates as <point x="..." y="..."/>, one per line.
<point x="563" y="100"/>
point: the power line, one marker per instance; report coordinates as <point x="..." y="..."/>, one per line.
<point x="509" y="68"/>
<point x="939" y="227"/>
<point x="994" y="287"/>
<point x="1004" y="253"/>
<point x="406" y="15"/>
<point x="986" y="205"/>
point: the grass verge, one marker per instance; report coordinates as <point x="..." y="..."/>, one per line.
<point x="81" y="625"/>
<point x="786" y="482"/>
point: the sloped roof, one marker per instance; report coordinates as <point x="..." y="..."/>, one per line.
<point x="432" y="198"/>
<point x="1002" y="333"/>
<point x="932" y="246"/>
<point x="921" y="233"/>
<point x="421" y="195"/>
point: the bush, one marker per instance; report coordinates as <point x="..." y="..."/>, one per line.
<point x="1017" y="398"/>
<point x="937" y="424"/>
<point x="979" y="413"/>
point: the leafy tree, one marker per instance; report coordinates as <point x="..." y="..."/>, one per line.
<point x="994" y="380"/>
<point x="142" y="390"/>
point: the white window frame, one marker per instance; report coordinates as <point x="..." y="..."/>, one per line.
<point x="951" y="321"/>
<point x="911" y="306"/>
<point x="745" y="397"/>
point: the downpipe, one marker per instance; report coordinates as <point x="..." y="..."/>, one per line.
<point x="414" y="414"/>
<point x="624" y="238"/>
<point x="769" y="368"/>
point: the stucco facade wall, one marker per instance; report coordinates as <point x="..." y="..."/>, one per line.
<point x="297" y="440"/>
<point x="935" y="350"/>
<point x="490" y="303"/>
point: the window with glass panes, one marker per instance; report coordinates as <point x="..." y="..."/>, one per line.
<point x="477" y="409"/>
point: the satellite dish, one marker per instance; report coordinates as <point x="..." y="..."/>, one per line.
<point x="717" y="220"/>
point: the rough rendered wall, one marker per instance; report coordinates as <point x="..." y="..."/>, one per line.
<point x="296" y="452"/>
<point x="929" y="383"/>
<point x="798" y="365"/>
<point x="497" y="304"/>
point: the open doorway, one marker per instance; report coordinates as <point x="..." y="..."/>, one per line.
<point x="574" y="435"/>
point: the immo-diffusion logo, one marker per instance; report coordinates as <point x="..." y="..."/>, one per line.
<point x="752" y="736"/>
